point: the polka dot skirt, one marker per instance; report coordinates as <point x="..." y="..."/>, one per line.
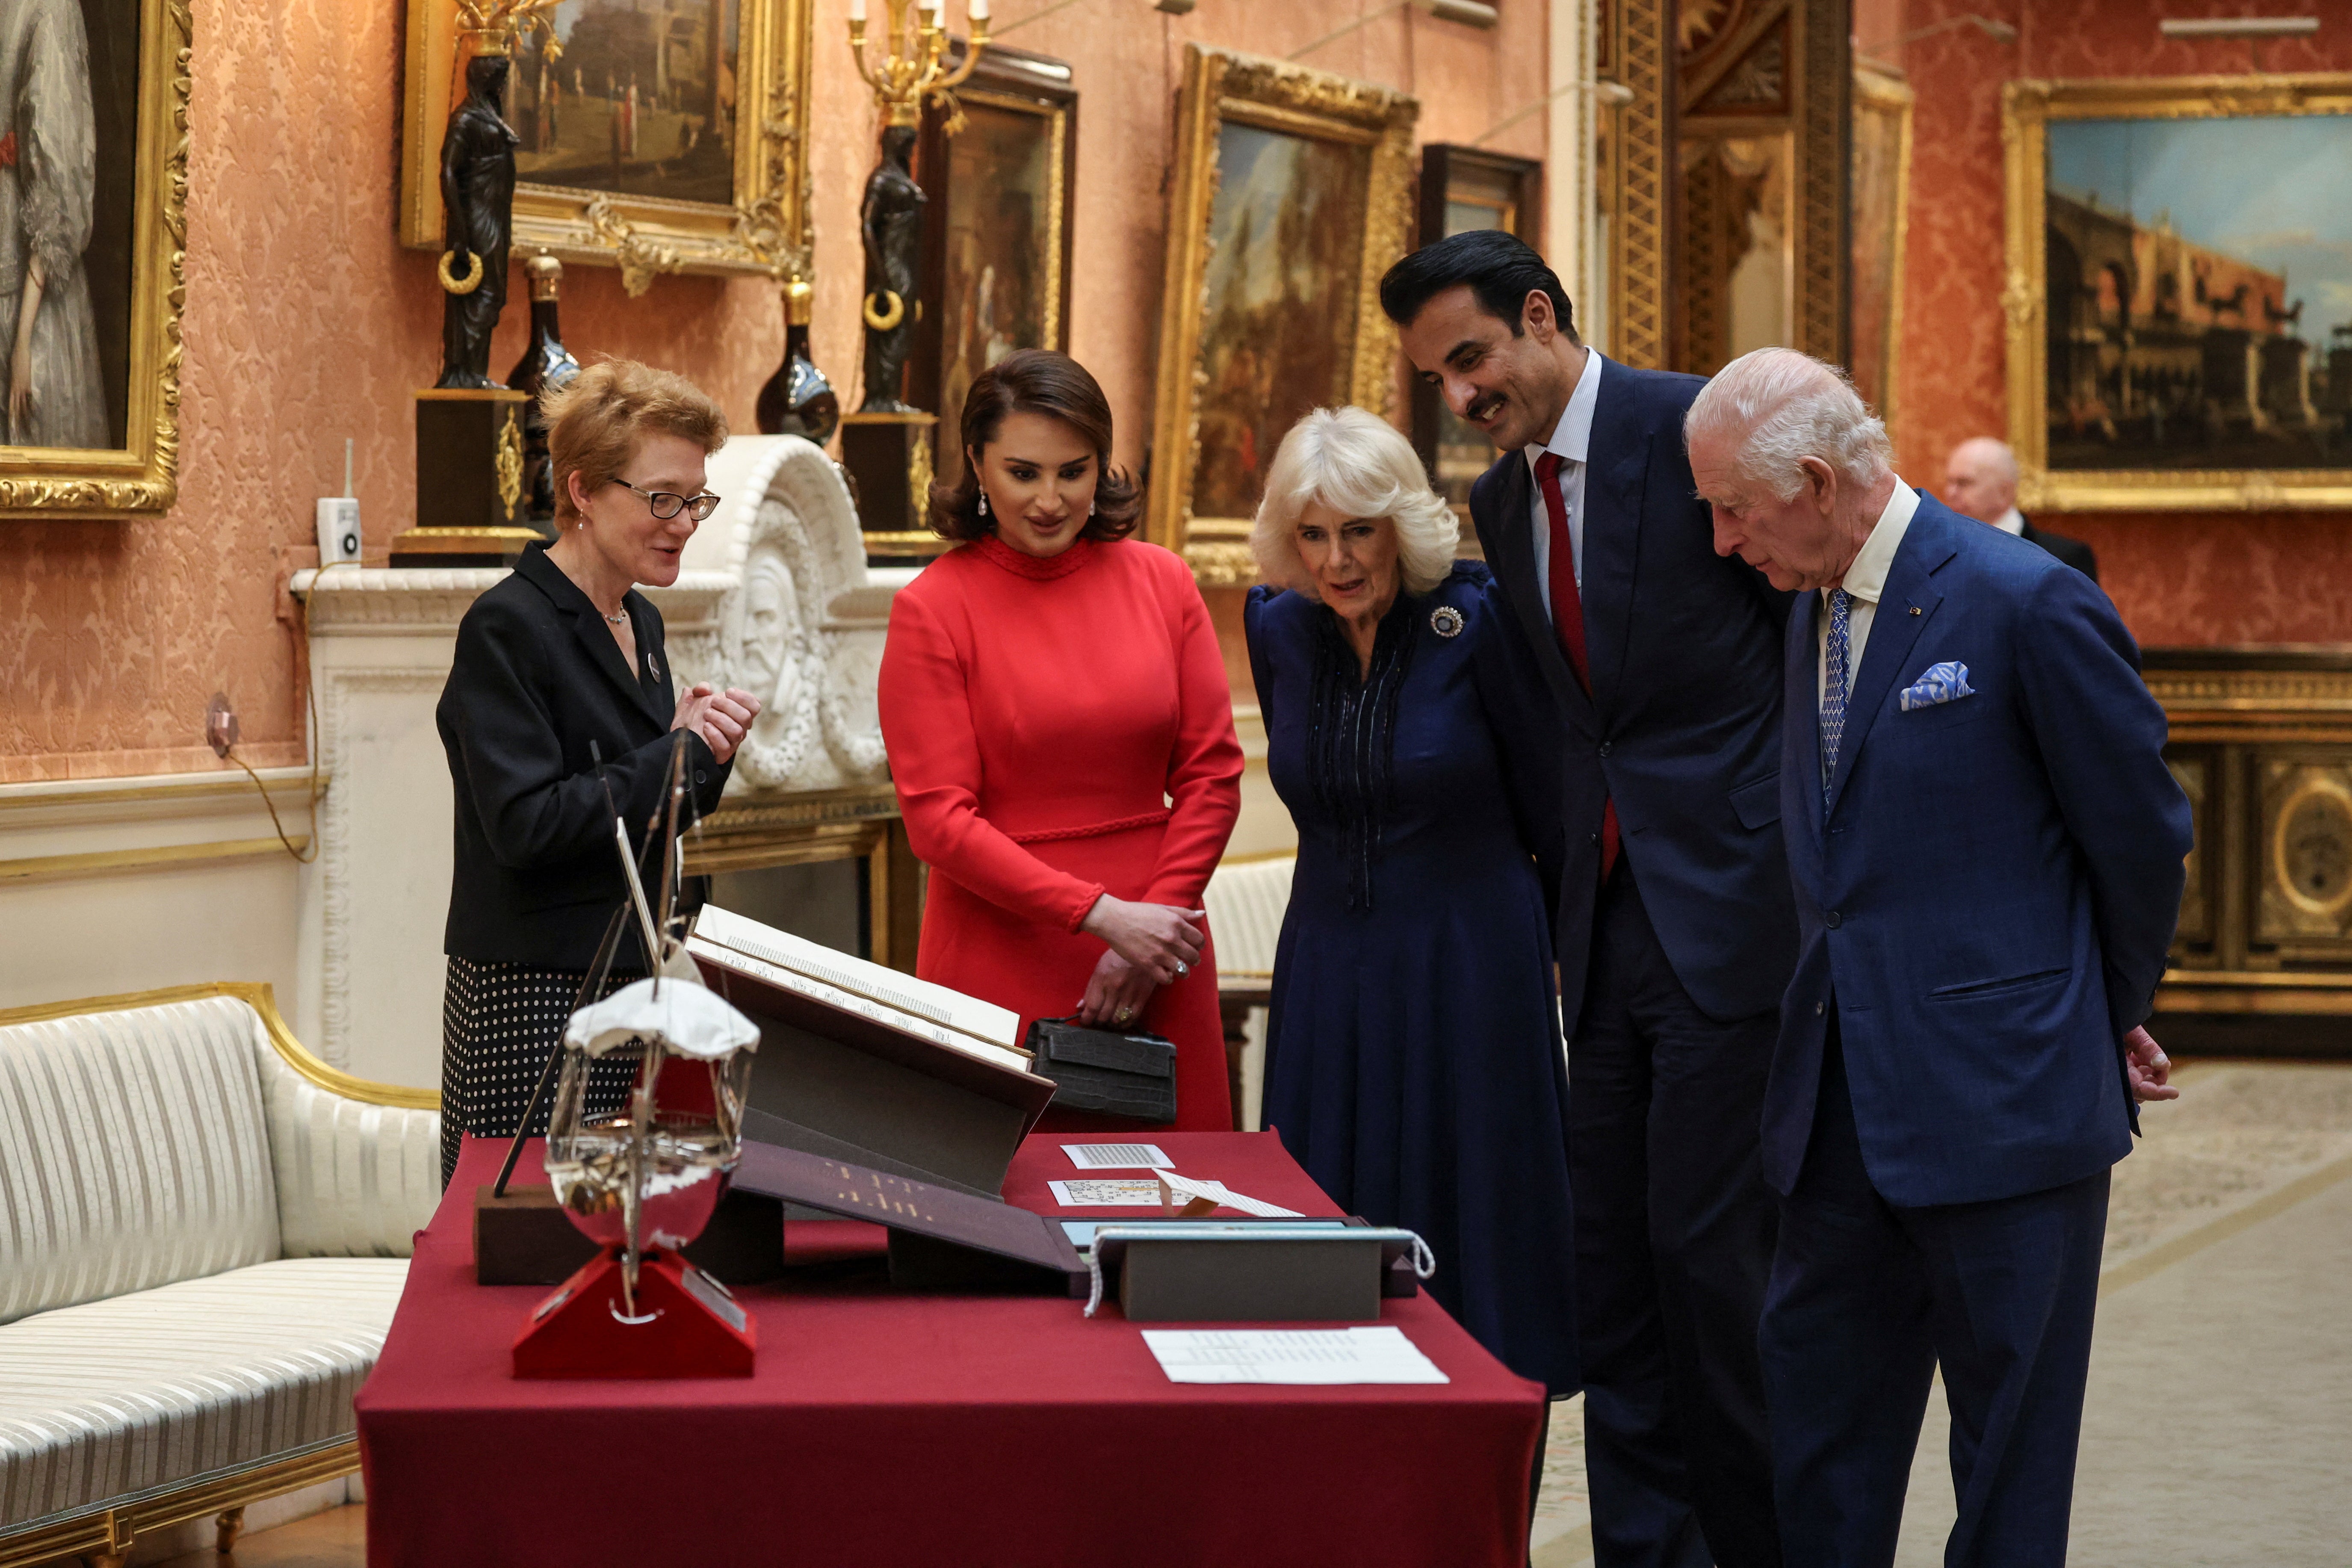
<point x="498" y="1021"/>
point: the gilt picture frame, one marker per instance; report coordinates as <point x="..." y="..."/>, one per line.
<point x="674" y="151"/>
<point x="96" y="430"/>
<point x="1292" y="195"/>
<point x="2165" y="239"/>
<point x="997" y="243"/>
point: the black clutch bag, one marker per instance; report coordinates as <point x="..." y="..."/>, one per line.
<point x="1104" y="1072"/>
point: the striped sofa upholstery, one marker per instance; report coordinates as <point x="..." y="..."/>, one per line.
<point x="202" y="1242"/>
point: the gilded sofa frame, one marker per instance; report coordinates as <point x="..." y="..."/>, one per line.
<point x="2027" y="109"/>
<point x="767" y="230"/>
<point x="103" y="1536"/>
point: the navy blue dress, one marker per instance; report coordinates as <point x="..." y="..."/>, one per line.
<point x="1413" y="1062"/>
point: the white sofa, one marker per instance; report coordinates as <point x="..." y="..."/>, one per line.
<point x="1245" y="901"/>
<point x="204" y="1231"/>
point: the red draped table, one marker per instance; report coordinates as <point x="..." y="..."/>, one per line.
<point x="889" y="1428"/>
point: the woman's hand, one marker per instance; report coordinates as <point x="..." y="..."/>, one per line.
<point x="20" y="357"/>
<point x="1117" y="994"/>
<point x="721" y="718"/>
<point x="1160" y="940"/>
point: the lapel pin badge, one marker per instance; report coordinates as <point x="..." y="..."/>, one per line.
<point x="1914" y="609"/>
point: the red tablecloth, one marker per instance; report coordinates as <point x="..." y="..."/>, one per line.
<point x="887" y="1428"/>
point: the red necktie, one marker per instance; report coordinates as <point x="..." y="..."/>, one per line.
<point x="1568" y="618"/>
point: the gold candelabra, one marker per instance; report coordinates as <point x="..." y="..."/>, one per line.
<point x="493" y="28"/>
<point x="910" y="71"/>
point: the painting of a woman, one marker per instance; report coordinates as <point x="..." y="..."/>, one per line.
<point x="55" y="393"/>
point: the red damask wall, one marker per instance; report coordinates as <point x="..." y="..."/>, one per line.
<point x="2179" y="577"/>
<point x="306" y="323"/>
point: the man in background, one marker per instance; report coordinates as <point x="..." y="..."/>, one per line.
<point x="1980" y="482"/>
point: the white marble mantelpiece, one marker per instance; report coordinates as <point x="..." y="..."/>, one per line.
<point x="775" y="597"/>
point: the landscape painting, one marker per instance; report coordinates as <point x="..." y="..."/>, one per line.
<point x="1278" y="310"/>
<point x="637" y="97"/>
<point x="2199" y="292"/>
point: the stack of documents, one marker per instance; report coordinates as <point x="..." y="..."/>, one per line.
<point x="1290" y="1355"/>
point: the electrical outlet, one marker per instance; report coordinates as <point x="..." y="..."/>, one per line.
<point x="220" y="725"/>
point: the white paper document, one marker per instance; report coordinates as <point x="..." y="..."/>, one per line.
<point x="1174" y="1191"/>
<point x="1326" y="1356"/>
<point x="1115" y="1156"/>
<point x="1114" y="1193"/>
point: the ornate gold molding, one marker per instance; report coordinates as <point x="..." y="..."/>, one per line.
<point x="1273" y="95"/>
<point x="142" y="477"/>
<point x="1632" y="181"/>
<point x="766" y="230"/>
<point x="2027" y="109"/>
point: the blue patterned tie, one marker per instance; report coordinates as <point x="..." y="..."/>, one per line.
<point x="1834" y="689"/>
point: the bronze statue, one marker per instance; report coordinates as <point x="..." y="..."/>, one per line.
<point x="892" y="220"/>
<point x="477" y="182"/>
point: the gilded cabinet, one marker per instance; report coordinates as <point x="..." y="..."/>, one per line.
<point x="2262" y="742"/>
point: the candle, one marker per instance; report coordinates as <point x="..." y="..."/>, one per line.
<point x="857" y="10"/>
<point x="979" y="10"/>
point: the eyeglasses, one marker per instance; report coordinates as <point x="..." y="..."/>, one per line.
<point x="668" y="504"/>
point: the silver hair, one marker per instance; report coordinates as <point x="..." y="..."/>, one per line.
<point x="1791" y="406"/>
<point x="1999" y="453"/>
<point x="1357" y="463"/>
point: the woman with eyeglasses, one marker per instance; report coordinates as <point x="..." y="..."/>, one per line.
<point x="561" y="711"/>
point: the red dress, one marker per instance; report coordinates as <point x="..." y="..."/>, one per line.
<point x="1060" y="728"/>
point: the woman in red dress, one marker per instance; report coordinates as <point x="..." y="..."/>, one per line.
<point x="1061" y="734"/>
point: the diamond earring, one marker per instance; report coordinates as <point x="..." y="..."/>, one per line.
<point x="983" y="503"/>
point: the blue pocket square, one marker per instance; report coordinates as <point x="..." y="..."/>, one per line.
<point x="1941" y="683"/>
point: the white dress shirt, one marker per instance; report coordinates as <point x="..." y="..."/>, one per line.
<point x="1572" y="439"/>
<point x="2012" y="522"/>
<point x="1865" y="581"/>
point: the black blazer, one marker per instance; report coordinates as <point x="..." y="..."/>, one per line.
<point x="538" y="677"/>
<point x="2073" y="552"/>
<point x="1682" y="729"/>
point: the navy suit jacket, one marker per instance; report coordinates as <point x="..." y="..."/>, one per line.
<point x="1682" y="727"/>
<point x="1989" y="896"/>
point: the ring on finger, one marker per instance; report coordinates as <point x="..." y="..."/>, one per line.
<point x="1182" y="969"/>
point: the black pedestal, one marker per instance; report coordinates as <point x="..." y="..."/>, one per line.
<point x="469" y="473"/>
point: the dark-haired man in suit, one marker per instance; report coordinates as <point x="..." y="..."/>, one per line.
<point x="1676" y="928"/>
<point x="1980" y="482"/>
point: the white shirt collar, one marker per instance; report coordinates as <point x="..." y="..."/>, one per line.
<point x="1572" y="439"/>
<point x="2010" y="521"/>
<point x="1866" y="578"/>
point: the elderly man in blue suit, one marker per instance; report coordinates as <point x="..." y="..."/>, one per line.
<point x="1986" y="848"/>
<point x="1674" y="930"/>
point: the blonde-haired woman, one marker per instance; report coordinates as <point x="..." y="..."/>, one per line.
<point x="1413" y="1062"/>
<point x="560" y="709"/>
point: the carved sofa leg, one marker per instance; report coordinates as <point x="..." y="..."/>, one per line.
<point x="118" y="1544"/>
<point x="226" y="1529"/>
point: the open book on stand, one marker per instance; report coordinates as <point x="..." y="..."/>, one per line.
<point x="863" y="1064"/>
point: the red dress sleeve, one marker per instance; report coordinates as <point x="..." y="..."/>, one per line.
<point x="934" y="754"/>
<point x="1204" y="766"/>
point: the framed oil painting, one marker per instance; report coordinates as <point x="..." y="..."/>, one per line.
<point x="656" y="137"/>
<point x="997" y="245"/>
<point x="91" y="255"/>
<point x="2179" y="291"/>
<point x="1879" y="192"/>
<point x="1291" y="198"/>
<point x="1463" y="188"/>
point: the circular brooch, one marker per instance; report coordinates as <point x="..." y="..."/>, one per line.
<point x="1445" y="621"/>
